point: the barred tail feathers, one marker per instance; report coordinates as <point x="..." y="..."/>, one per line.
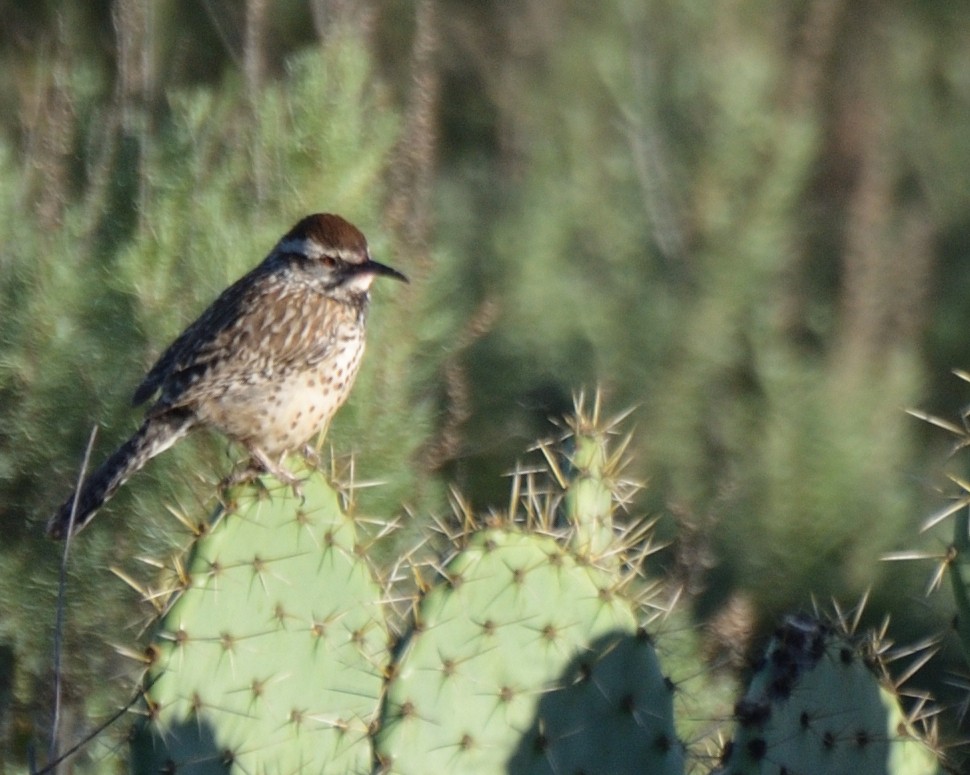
<point x="155" y="435"/>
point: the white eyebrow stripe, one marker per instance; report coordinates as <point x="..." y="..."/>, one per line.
<point x="306" y="247"/>
<point x="313" y="249"/>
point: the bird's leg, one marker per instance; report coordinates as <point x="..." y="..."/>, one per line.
<point x="248" y="473"/>
<point x="240" y="474"/>
<point x="312" y="456"/>
<point x="277" y="469"/>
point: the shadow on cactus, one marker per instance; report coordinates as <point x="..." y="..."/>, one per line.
<point x="816" y="704"/>
<point x="520" y="655"/>
<point x="521" y="646"/>
<point x="275" y="646"/>
<point x="611" y="711"/>
<point x="485" y="677"/>
<point x="190" y="748"/>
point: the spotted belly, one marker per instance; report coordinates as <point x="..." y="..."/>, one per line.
<point x="281" y="415"/>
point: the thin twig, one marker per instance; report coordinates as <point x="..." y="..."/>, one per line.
<point x="61" y="589"/>
<point x="96" y="731"/>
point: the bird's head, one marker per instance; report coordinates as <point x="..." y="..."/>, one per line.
<point x="335" y="252"/>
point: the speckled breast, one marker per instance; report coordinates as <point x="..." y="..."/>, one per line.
<point x="281" y="413"/>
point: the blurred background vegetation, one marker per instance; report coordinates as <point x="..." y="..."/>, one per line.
<point x="748" y="219"/>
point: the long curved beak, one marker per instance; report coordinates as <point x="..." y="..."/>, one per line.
<point x="377" y="268"/>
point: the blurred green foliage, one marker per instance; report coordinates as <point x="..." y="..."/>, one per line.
<point x="746" y="219"/>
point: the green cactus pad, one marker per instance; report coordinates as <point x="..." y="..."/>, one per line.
<point x="524" y="660"/>
<point x="815" y="706"/>
<point x="589" y="498"/>
<point x="272" y="658"/>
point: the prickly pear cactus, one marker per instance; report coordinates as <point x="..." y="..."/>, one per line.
<point x="588" y="469"/>
<point x="525" y="661"/>
<point x="527" y="657"/>
<point x="814" y="706"/>
<point x="272" y="657"/>
<point x="589" y="499"/>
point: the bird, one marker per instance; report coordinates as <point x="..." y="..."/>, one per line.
<point x="267" y="364"/>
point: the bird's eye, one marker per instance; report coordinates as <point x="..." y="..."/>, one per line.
<point x="328" y="261"/>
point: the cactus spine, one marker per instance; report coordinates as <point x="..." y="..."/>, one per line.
<point x="275" y="649"/>
<point x="814" y="705"/>
<point x="526" y="652"/>
<point x="527" y="656"/>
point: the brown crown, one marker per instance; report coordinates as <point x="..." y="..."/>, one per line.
<point x="329" y="230"/>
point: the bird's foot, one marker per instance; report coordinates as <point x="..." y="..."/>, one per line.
<point x="312" y="456"/>
<point x="277" y="469"/>
<point x="247" y="474"/>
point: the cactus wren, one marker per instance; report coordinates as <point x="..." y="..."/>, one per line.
<point x="268" y="363"/>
